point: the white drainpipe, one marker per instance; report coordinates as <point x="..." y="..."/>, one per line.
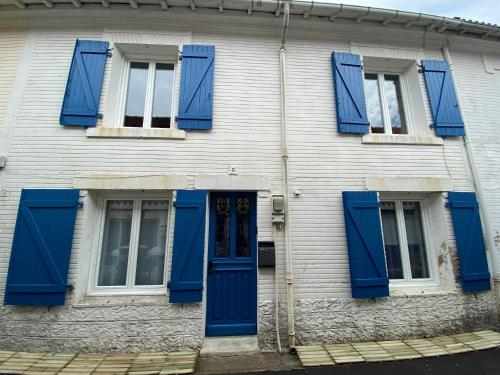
<point x="284" y="155"/>
<point x="475" y="176"/>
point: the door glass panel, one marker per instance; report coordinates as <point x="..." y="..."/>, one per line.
<point x="136" y="94"/>
<point x="162" y="96"/>
<point x="222" y="221"/>
<point x="373" y="104"/>
<point x="243" y="227"/>
<point x="152" y="241"/>
<point x="391" y="240"/>
<point x="416" y="243"/>
<point x="395" y="102"/>
<point x="115" y="244"/>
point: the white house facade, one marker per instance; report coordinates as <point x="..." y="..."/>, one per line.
<point x="174" y="170"/>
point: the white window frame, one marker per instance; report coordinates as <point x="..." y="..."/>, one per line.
<point x="129" y="287"/>
<point x="407" y="281"/>
<point x="386" y="116"/>
<point x="148" y="105"/>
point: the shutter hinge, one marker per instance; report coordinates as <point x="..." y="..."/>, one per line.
<point x="168" y="284"/>
<point x="180" y="56"/>
<point x="174" y="203"/>
<point x="80" y="205"/>
<point x="70" y="287"/>
<point x="176" y="118"/>
<point x="109" y="53"/>
<point x="100" y="116"/>
<point x="447" y="205"/>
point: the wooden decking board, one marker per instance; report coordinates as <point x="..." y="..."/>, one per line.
<point x="399" y="350"/>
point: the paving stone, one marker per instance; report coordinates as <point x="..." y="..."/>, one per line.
<point x="372" y="352"/>
<point x="451" y="345"/>
<point x="315" y="355"/>
<point x="399" y="350"/>
<point x="343" y="353"/>
<point x="426" y="348"/>
<point x="489" y="335"/>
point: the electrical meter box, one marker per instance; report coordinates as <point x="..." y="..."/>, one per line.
<point x="278" y="204"/>
<point x="266" y="254"/>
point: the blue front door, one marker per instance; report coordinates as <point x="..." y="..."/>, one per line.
<point x="232" y="267"/>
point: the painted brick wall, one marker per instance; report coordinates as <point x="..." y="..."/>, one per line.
<point x="246" y="134"/>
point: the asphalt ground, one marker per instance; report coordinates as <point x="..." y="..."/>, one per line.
<point x="483" y="362"/>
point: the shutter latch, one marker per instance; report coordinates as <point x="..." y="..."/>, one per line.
<point x="180" y="56"/>
<point x="70" y="287"/>
<point x="168" y="284"/>
<point x="109" y="53"/>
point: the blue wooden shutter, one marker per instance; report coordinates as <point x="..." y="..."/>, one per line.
<point x="186" y="284"/>
<point x="197" y="86"/>
<point x="349" y="93"/>
<point x="364" y="241"/>
<point x="83" y="89"/>
<point x="447" y="120"/>
<point x="474" y="272"/>
<point x="41" y="248"/>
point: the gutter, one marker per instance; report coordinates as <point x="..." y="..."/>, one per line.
<point x="305" y="9"/>
<point x="284" y="155"/>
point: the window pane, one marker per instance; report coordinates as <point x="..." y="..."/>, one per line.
<point x="373" y="106"/>
<point x="162" y="96"/>
<point x="416" y="243"/>
<point x="136" y="94"/>
<point x="395" y="102"/>
<point x="391" y="240"/>
<point x="243" y="229"/>
<point x="115" y="244"/>
<point x="152" y="241"/>
<point x="222" y="234"/>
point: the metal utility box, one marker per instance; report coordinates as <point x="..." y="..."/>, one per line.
<point x="266" y="254"/>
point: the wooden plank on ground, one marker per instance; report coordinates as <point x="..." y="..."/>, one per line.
<point x="314" y="355"/>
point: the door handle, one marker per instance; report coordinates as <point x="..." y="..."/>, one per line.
<point x="209" y="267"/>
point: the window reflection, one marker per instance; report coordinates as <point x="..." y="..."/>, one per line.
<point x="373" y="105"/>
<point x="243" y="227"/>
<point x="391" y="240"/>
<point x="395" y="103"/>
<point x="136" y="94"/>
<point x="162" y="96"/>
<point x="223" y="210"/>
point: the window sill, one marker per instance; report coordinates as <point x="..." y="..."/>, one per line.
<point x="401" y="139"/>
<point x="401" y="290"/>
<point x="112" y="299"/>
<point x="102" y="132"/>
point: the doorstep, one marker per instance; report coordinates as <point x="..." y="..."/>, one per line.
<point x="380" y="351"/>
<point x="229" y="345"/>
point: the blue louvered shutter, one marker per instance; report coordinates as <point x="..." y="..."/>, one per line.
<point x="83" y="89"/>
<point x="41" y="248"/>
<point x="365" y="244"/>
<point x="186" y="283"/>
<point x="474" y="273"/>
<point x="349" y="93"/>
<point x="447" y="120"/>
<point x="197" y="86"/>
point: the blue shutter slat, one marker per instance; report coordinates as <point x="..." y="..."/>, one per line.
<point x="447" y="120"/>
<point x="349" y="93"/>
<point x="365" y="245"/>
<point x="186" y="284"/>
<point x="196" y="87"/>
<point x="474" y="273"/>
<point x="83" y="89"/>
<point x="41" y="249"/>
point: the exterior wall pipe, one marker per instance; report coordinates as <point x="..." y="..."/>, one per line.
<point x="284" y="154"/>
<point x="477" y="181"/>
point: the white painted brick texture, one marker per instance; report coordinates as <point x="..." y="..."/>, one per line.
<point x="246" y="134"/>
